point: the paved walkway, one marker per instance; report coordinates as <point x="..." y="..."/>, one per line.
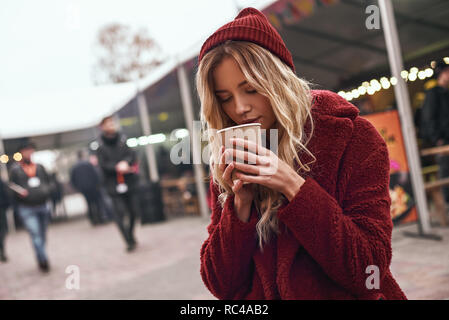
<point x="166" y="263"/>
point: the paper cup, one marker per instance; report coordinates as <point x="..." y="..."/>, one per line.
<point x="249" y="131"/>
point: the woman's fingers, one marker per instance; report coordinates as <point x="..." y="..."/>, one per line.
<point x="250" y="146"/>
<point x="221" y="160"/>
<point x="258" y="170"/>
<point x="247" y="168"/>
<point x="247" y="157"/>
<point x="237" y="186"/>
<point x="251" y="179"/>
<point x="227" y="174"/>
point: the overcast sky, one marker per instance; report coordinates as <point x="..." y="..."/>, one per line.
<point x="48" y="45"/>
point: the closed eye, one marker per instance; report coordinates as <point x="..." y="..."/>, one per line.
<point x="224" y="99"/>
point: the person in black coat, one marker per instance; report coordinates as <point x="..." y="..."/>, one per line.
<point x="4" y="204"/>
<point x="119" y="165"/>
<point x="85" y="178"/>
<point x="434" y="126"/>
<point x="33" y="191"/>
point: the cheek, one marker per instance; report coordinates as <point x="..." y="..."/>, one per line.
<point x="229" y="111"/>
<point x="265" y="106"/>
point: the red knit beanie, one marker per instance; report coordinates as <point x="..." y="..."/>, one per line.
<point x="250" y="25"/>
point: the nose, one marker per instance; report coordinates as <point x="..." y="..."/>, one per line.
<point x="242" y="106"/>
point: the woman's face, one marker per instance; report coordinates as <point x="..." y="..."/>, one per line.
<point x="239" y="100"/>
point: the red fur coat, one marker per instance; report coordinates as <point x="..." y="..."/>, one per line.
<point x="336" y="226"/>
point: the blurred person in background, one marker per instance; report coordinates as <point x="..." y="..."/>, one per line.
<point x="4" y="205"/>
<point x="57" y="193"/>
<point x="106" y="200"/>
<point x="434" y="126"/>
<point x="85" y="178"/>
<point x="33" y="189"/>
<point x="119" y="165"/>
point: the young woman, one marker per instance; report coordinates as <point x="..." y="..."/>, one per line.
<point x="313" y="220"/>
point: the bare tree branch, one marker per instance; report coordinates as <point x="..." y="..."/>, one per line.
<point x="123" y="54"/>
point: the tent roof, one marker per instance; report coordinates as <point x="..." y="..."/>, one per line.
<point x="54" y="112"/>
<point x="332" y="47"/>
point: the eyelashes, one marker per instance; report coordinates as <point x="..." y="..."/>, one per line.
<point x="227" y="99"/>
<point x="224" y="100"/>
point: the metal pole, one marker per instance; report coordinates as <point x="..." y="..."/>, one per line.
<point x="145" y="122"/>
<point x="3" y="168"/>
<point x="196" y="143"/>
<point x="4" y="176"/>
<point x="403" y="103"/>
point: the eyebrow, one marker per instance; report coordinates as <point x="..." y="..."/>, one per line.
<point x="239" y="85"/>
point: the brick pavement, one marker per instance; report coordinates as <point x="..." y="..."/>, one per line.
<point x="166" y="263"/>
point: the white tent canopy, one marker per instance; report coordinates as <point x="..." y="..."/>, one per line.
<point x="61" y="111"/>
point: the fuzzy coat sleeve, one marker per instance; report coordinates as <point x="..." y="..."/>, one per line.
<point x="226" y="256"/>
<point x="345" y="239"/>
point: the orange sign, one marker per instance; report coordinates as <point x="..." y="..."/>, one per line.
<point x="402" y="201"/>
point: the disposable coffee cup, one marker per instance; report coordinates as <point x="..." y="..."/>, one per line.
<point x="249" y="131"/>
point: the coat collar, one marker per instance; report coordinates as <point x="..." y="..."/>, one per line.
<point x="333" y="118"/>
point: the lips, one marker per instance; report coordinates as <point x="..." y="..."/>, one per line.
<point x="250" y="120"/>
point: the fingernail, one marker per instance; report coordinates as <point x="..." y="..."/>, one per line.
<point x="236" y="181"/>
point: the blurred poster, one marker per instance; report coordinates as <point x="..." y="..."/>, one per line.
<point x="288" y="12"/>
<point x="403" y="208"/>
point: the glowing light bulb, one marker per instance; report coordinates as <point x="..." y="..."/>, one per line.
<point x="422" y="75"/>
<point x="362" y="90"/>
<point x="355" y="93"/>
<point x="132" y="142"/>
<point x="156" y="138"/>
<point x="4" y="158"/>
<point x="17" y="156"/>
<point x="393" y="80"/>
<point x="386" y="85"/>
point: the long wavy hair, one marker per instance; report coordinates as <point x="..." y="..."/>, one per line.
<point x="291" y="100"/>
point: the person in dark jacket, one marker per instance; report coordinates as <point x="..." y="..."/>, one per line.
<point x="119" y="165"/>
<point x="84" y="177"/>
<point x="57" y="192"/>
<point x="105" y="198"/>
<point x="4" y="205"/>
<point x="434" y="126"/>
<point x="33" y="190"/>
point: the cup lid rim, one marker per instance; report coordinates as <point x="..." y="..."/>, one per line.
<point x="239" y="126"/>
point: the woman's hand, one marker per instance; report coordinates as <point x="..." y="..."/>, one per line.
<point x="243" y="194"/>
<point x="264" y="168"/>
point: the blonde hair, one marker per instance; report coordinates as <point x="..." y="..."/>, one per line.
<point x="291" y="101"/>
